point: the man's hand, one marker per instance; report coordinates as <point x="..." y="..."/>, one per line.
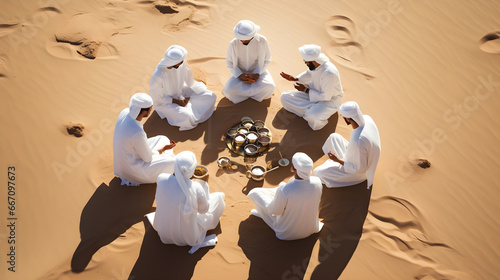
<point x="301" y="87"/>
<point x="248" y="78"/>
<point x="167" y="147"/>
<point x="181" y="102"/>
<point x="254" y="76"/>
<point x="243" y="77"/>
<point x="288" y="77"/>
<point x="334" y="157"/>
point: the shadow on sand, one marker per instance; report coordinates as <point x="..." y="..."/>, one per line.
<point x="228" y="113"/>
<point x="295" y="140"/>
<point x="110" y="211"/>
<point x="270" y="257"/>
<point x="165" y="261"/>
<point x="343" y="211"/>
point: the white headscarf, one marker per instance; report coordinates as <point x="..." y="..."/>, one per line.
<point x="185" y="164"/>
<point x="350" y="109"/>
<point x="303" y="164"/>
<point x="245" y="30"/>
<point x="313" y="53"/>
<point x="173" y="55"/>
<point x="139" y="101"/>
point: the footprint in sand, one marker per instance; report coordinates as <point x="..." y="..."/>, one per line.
<point x="490" y="42"/>
<point x="396" y="226"/>
<point x="3" y="66"/>
<point x="87" y="36"/>
<point x="178" y="14"/>
<point x="6" y="28"/>
<point x="344" y="49"/>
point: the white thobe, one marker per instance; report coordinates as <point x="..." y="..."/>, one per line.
<point x="323" y="99"/>
<point x="360" y="155"/>
<point x="253" y="58"/>
<point x="291" y="209"/>
<point x="172" y="225"/>
<point x="167" y="84"/>
<point x="136" y="158"/>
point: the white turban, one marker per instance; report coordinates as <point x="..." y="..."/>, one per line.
<point x="313" y="53"/>
<point x="139" y="101"/>
<point x="245" y="30"/>
<point x="185" y="164"/>
<point x="173" y="55"/>
<point x="303" y="164"/>
<point x="350" y="110"/>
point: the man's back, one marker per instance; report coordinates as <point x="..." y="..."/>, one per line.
<point x="299" y="218"/>
<point x="371" y="139"/>
<point x="123" y="147"/>
<point x="172" y="225"/>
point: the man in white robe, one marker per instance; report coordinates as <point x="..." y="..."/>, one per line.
<point x="185" y="210"/>
<point x="248" y="57"/>
<point x="176" y="95"/>
<point x="318" y="90"/>
<point x="291" y="209"/>
<point x="354" y="161"/>
<point x="138" y="159"/>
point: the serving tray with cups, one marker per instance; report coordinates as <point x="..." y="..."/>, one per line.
<point x="248" y="138"/>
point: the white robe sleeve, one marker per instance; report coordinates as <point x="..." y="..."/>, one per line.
<point x="142" y="148"/>
<point x="357" y="159"/>
<point x="266" y="57"/>
<point x="329" y="89"/>
<point x="304" y="77"/>
<point x="156" y="86"/>
<point x="278" y="204"/>
<point x="232" y="61"/>
<point x="202" y="200"/>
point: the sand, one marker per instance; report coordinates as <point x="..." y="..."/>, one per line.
<point x="427" y="72"/>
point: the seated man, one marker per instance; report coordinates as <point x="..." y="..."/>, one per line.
<point x="318" y="92"/>
<point x="247" y="59"/>
<point x="177" y="96"/>
<point x="354" y="161"/>
<point x="185" y="209"/>
<point x="137" y="159"/>
<point x="291" y="209"/>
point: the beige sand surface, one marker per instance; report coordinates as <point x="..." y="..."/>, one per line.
<point x="428" y="72"/>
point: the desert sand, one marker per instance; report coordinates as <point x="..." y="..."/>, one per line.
<point x="427" y="72"/>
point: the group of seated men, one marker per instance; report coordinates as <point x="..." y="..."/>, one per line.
<point x="185" y="208"/>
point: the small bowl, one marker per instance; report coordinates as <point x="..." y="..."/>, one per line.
<point x="231" y="132"/>
<point x="247" y="123"/>
<point x="264" y="140"/>
<point x="252" y="137"/>
<point x="246" y="119"/>
<point x="283" y="162"/>
<point x="251" y="149"/>
<point x="243" y="130"/>
<point x="264" y="131"/>
<point x="223" y="162"/>
<point x="256" y="173"/>
<point x="200" y="172"/>
<point x="239" y="139"/>
<point x="258" y="124"/>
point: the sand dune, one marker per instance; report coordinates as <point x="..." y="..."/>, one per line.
<point x="428" y="72"/>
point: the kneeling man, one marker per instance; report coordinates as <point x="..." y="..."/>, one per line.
<point x="177" y="96"/>
<point x="185" y="209"/>
<point x="291" y="209"/>
<point x="354" y="161"/>
<point x="138" y="159"/>
<point x="318" y="90"/>
<point x="247" y="59"/>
